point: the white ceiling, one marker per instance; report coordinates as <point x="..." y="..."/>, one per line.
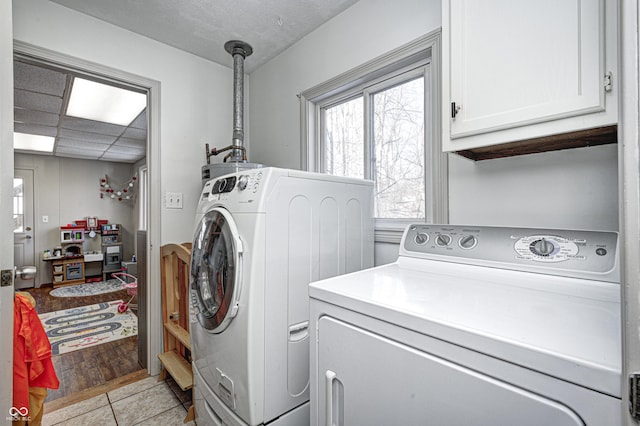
<point x="202" y="27"/>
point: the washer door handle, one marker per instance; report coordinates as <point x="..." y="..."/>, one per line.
<point x="334" y="412"/>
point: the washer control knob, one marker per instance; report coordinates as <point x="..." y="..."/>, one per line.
<point x="421" y="238"/>
<point x="542" y="247"/>
<point x="243" y="181"/>
<point x="468" y="242"/>
<point x="443" y="240"/>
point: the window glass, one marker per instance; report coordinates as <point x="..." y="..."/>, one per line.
<point x="398" y="141"/>
<point x="18" y="205"/>
<point x="344" y="138"/>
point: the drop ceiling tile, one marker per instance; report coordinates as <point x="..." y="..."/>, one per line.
<point x="73" y="123"/>
<point x="35" y="129"/>
<point x="114" y="149"/>
<point x="25" y="151"/>
<point x="73" y="143"/>
<point x="133" y="133"/>
<point x="121" y="158"/>
<point x="67" y="151"/>
<point x="35" y="117"/>
<point x="37" y="101"/>
<point x="132" y="143"/>
<point x="86" y="136"/>
<point x="37" y="79"/>
<point x="141" y="121"/>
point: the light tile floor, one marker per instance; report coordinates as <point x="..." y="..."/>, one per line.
<point x="146" y="402"/>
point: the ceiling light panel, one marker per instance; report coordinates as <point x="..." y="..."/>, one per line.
<point x="27" y="142"/>
<point x="99" y="102"/>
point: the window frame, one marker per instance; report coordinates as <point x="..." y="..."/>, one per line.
<point x="421" y="56"/>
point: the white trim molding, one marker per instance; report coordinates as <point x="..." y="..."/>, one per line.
<point x="408" y="56"/>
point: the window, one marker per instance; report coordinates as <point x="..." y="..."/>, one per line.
<point x="381" y="122"/>
<point x="18" y="205"/>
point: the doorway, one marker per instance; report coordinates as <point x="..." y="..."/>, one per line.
<point x="151" y="88"/>
<point x="23" y="242"/>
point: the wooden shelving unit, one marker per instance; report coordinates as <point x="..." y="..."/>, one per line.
<point x="176" y="359"/>
<point x="61" y="271"/>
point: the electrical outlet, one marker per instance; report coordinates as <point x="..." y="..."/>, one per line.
<point x="45" y="219"/>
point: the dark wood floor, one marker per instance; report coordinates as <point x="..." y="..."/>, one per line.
<point x="94" y="366"/>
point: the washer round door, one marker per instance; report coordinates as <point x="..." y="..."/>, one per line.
<point x="215" y="270"/>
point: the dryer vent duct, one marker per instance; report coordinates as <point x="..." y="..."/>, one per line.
<point x="236" y="160"/>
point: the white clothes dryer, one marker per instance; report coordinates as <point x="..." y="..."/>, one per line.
<point x="472" y="325"/>
<point x="261" y="236"/>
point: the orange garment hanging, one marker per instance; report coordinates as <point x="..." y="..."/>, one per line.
<point x="32" y="366"/>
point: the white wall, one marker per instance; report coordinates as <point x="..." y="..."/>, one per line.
<point x="195" y="93"/>
<point x="573" y="189"/>
<point x="564" y="189"/>
<point x="67" y="189"/>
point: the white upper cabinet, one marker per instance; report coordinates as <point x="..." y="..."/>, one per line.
<point x="517" y="70"/>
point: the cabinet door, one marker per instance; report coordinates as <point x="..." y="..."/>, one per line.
<point x="368" y="379"/>
<point x="516" y="63"/>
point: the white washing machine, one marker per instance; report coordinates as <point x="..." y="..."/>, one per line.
<point x="472" y="325"/>
<point x="261" y="237"/>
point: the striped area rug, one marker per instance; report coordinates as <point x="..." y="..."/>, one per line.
<point x="79" y="328"/>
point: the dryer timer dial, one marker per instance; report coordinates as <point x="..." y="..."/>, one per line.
<point x="243" y="181"/>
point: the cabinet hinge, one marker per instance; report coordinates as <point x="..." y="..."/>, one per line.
<point x="608" y="81"/>
<point x="634" y="394"/>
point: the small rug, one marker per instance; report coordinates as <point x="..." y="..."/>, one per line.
<point x="88" y="289"/>
<point x="79" y="328"/>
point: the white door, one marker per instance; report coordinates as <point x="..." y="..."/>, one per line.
<point x="23" y="244"/>
<point x="367" y="379"/>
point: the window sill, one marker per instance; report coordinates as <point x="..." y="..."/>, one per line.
<point x="390" y="232"/>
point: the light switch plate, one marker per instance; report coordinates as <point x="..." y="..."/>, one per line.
<point x="173" y="200"/>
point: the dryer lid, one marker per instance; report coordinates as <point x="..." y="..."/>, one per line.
<point x="215" y="270"/>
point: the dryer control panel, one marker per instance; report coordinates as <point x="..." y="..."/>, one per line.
<point x="584" y="254"/>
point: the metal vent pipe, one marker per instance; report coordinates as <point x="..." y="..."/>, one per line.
<point x="239" y="50"/>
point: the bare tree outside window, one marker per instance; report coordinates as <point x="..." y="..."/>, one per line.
<point x="397" y="147"/>
<point x="344" y="139"/>
<point x="398" y="139"/>
<point x="380" y="121"/>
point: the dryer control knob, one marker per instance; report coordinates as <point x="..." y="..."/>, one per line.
<point x="443" y="240"/>
<point x="243" y="181"/>
<point x="468" y="242"/>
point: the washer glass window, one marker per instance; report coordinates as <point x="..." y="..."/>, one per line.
<point x="213" y="270"/>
